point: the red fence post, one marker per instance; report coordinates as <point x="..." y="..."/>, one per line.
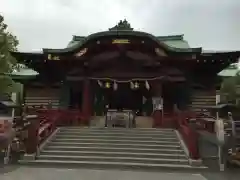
<point x="157" y="118"/>
<point x="32" y="140"/>
<point x="193" y="145"/>
<point x="189" y="135"/>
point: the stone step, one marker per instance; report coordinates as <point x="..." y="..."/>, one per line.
<point x="115" y="154"/>
<point x="115" y="128"/>
<point x="99" y="140"/>
<point x="103" y="129"/>
<point x="110" y="165"/>
<point x="115" y="145"/>
<point x="113" y="148"/>
<point x="120" y="130"/>
<point x="105" y="133"/>
<point x="160" y="138"/>
<point x="176" y="150"/>
<point x="114" y="159"/>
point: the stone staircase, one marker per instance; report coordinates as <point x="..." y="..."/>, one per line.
<point x="114" y="148"/>
<point x="141" y="121"/>
<point x="202" y="99"/>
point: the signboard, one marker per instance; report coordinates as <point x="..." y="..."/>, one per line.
<point x="120" y="41"/>
<point x="53" y="57"/>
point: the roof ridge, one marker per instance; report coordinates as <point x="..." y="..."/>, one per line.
<point x="78" y="38"/>
<point x="171" y="37"/>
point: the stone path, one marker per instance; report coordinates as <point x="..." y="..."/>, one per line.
<point x="27" y="173"/>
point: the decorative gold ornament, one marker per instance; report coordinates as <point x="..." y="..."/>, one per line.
<point x="122" y="26"/>
<point x="56" y="58"/>
<point x="107" y="85"/>
<point x="81" y="52"/>
<point x="136" y="85"/>
<point x="49" y="57"/>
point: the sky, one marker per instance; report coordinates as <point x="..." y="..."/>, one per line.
<point x="211" y="24"/>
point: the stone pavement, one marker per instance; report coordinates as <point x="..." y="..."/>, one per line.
<point x="35" y="173"/>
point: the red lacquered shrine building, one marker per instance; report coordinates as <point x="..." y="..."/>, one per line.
<point x="124" y="69"/>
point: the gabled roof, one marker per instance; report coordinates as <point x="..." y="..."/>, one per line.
<point x="23" y="73"/>
<point x="174" y="43"/>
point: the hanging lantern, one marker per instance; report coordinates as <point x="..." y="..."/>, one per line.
<point x="107" y="85"/>
<point x="136" y="85"/>
<point x="115" y="86"/>
<point x="147" y="85"/>
<point x="131" y="85"/>
<point x="100" y="83"/>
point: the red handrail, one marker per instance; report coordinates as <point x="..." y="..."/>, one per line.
<point x="189" y="135"/>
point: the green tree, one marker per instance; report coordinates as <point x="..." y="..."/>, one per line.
<point x="8" y="42"/>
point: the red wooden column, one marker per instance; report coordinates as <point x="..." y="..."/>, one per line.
<point x="86" y="103"/>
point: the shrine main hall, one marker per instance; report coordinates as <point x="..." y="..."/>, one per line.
<point x="124" y="69"/>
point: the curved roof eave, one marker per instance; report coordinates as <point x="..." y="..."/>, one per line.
<point x="233" y="55"/>
<point x="210" y="52"/>
<point x="171" y="37"/>
<point x="36" y="53"/>
<point x="121" y="33"/>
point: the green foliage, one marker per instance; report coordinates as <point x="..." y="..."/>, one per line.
<point x="229" y="88"/>
<point x="8" y="42"/>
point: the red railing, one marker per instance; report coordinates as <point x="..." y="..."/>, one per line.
<point x="45" y="122"/>
<point x="189" y="134"/>
<point x="205" y="122"/>
<point x="161" y="120"/>
<point x="157" y="118"/>
<point x="200" y="121"/>
<point x="180" y="121"/>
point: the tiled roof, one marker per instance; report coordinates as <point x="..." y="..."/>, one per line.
<point x="230" y="71"/>
<point x="23" y="73"/>
<point x="175" y="41"/>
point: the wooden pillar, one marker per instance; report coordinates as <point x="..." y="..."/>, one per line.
<point x="64" y="95"/>
<point x="157" y="88"/>
<point x="86" y="101"/>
